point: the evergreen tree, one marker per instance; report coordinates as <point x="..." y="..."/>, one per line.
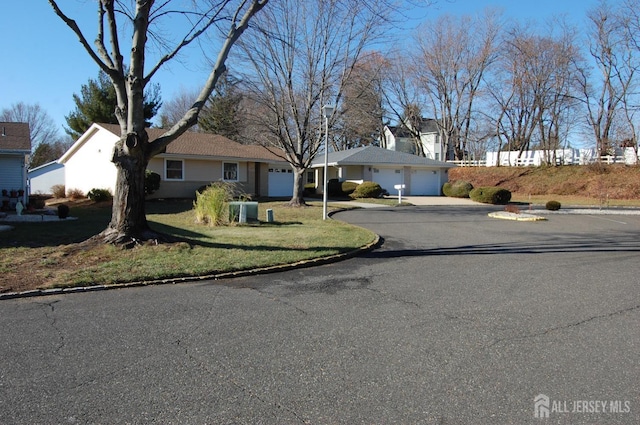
<point x="221" y="115"/>
<point x="97" y="104"/>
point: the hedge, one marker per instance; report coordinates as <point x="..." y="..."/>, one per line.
<point x="457" y="189"/>
<point x="367" y="190"/>
<point x="490" y="195"/>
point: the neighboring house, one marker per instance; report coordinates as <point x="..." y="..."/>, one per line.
<point x="189" y="162"/>
<point x="15" y="147"/>
<point x="44" y="177"/>
<point x="399" y="139"/>
<point x="420" y="175"/>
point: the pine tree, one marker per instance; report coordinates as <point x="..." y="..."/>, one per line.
<point x="221" y="115"/>
<point x="97" y="104"/>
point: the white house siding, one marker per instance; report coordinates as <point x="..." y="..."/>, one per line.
<point x="43" y="178"/>
<point x="91" y="167"/>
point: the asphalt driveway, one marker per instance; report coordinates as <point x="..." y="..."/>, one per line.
<point x="457" y="318"/>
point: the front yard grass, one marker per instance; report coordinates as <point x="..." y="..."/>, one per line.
<point x="45" y="255"/>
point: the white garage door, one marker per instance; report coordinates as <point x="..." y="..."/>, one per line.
<point x="280" y="181"/>
<point x="388" y="177"/>
<point x="424" y="182"/>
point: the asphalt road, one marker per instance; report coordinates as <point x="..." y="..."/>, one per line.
<point x="458" y="318"/>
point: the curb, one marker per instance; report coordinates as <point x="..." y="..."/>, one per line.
<point x="227" y="275"/>
<point x="516" y="217"/>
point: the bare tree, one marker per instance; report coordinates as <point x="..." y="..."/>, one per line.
<point x="613" y="49"/>
<point x="134" y="149"/>
<point x="453" y="55"/>
<point x="535" y="89"/>
<point x="174" y="109"/>
<point x="42" y="128"/>
<point x="362" y="116"/>
<point x="302" y="58"/>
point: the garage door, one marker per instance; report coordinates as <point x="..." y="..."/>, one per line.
<point x="280" y="181"/>
<point x="424" y="182"/>
<point x="388" y="177"/>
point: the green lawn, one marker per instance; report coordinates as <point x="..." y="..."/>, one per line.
<point x="39" y="255"/>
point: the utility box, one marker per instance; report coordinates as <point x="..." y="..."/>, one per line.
<point x="248" y="211"/>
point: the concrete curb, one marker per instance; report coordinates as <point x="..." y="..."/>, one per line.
<point x="504" y="215"/>
<point x="218" y="276"/>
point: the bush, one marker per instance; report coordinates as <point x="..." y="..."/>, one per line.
<point x="512" y="209"/>
<point x="457" y="189"/>
<point x="309" y="189"/>
<point x="151" y="182"/>
<point x="367" y="190"/>
<point x="334" y="188"/>
<point x="75" y="194"/>
<point x="63" y="211"/>
<point x="59" y="191"/>
<point x="553" y="205"/>
<point x="490" y="195"/>
<point x="212" y="204"/>
<point x="100" y="195"/>
<point x="348" y="187"/>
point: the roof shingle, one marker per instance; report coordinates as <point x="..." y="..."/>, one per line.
<point x="207" y="145"/>
<point x="14" y="136"/>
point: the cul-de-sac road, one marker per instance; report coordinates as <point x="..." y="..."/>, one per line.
<point x="457" y="318"/>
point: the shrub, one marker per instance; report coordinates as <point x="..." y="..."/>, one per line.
<point x="348" y="188"/>
<point x="457" y="189"/>
<point x="553" y="205"/>
<point x="59" y="191"/>
<point x="512" y="209"/>
<point x="212" y="204"/>
<point x="151" y="182"/>
<point x="309" y="189"/>
<point x="75" y="194"/>
<point x="100" y="195"/>
<point x="367" y="190"/>
<point x="37" y="201"/>
<point x="334" y="188"/>
<point x="63" y="211"/>
<point x="490" y="195"/>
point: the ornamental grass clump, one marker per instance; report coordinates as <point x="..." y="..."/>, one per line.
<point x="212" y="204"/>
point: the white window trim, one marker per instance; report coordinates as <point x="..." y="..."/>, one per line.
<point x="237" y="164"/>
<point x="181" y="161"/>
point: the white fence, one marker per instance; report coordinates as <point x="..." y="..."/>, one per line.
<point x="628" y="156"/>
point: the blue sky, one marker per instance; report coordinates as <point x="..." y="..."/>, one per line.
<point x="44" y="63"/>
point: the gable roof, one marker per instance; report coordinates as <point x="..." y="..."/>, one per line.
<point x="14" y="137"/>
<point x="191" y="144"/>
<point x="373" y="155"/>
<point x="427" y="126"/>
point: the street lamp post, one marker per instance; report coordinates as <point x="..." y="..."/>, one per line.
<point x="327" y="110"/>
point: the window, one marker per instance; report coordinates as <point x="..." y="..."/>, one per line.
<point x="230" y="171"/>
<point x="311" y="176"/>
<point x="173" y="169"/>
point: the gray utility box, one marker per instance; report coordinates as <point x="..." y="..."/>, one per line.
<point x="243" y="211"/>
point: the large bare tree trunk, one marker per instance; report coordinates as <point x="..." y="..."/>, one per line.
<point x="128" y="218"/>
<point x="297" y="200"/>
<point x="132" y="153"/>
